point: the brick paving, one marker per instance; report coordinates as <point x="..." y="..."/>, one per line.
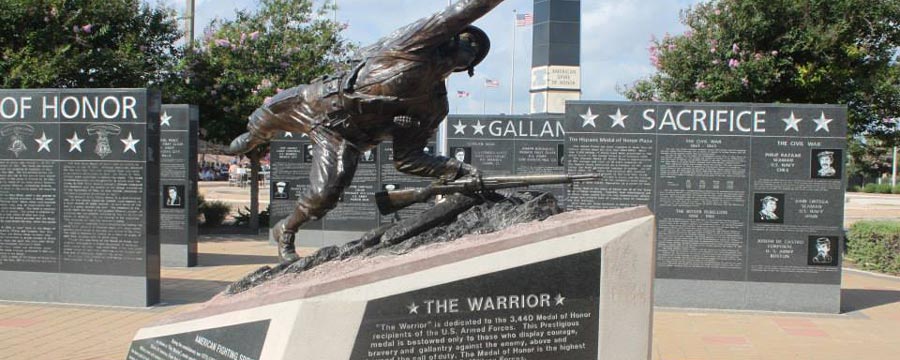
<point x="869" y="328"/>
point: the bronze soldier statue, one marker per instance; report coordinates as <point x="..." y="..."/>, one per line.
<point x="395" y="91"/>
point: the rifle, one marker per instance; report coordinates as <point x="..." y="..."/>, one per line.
<point x="391" y="201"/>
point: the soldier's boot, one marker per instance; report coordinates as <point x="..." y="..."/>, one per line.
<point x="285" y="239"/>
<point x="244" y="143"/>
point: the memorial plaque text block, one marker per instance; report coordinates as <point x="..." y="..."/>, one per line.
<point x="78" y="187"/>
<point x="179" y="130"/>
<point x="742" y="192"/>
<point x="553" y="315"/>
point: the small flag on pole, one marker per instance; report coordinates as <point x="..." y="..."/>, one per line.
<point x="462" y="93"/>
<point x="488" y="83"/>
<point x="524" y="19"/>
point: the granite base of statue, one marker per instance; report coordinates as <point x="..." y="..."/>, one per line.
<point x="509" y="277"/>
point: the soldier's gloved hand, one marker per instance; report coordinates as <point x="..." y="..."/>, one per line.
<point x="468" y="170"/>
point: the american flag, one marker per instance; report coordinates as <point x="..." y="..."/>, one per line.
<point x="488" y="83"/>
<point x="462" y="93"/>
<point x="524" y="19"/>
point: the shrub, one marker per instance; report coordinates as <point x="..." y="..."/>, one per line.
<point x="875" y="245"/>
<point x="870" y="188"/>
<point x="243" y="217"/>
<point x="896" y="190"/>
<point x="214" y="212"/>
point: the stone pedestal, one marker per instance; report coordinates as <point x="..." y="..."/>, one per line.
<point x="575" y="286"/>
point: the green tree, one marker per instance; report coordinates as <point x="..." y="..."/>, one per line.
<point x="85" y="43"/>
<point x="240" y="63"/>
<point x="798" y="51"/>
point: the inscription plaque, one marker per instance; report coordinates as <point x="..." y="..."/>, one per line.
<point x="179" y="127"/>
<point x="553" y="315"/>
<point x="738" y="189"/>
<point x="79" y="196"/>
<point x="235" y="342"/>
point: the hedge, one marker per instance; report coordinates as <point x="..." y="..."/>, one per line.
<point x="875" y="245"/>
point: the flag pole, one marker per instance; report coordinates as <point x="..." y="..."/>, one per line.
<point x="512" y="76"/>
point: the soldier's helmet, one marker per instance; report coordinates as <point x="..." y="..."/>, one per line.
<point x="477" y="39"/>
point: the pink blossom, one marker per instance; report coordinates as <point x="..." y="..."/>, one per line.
<point x="254" y="35"/>
<point x="735" y="48"/>
<point x="654" y="60"/>
<point x="688" y="34"/>
<point x="278" y="90"/>
<point x="243" y="37"/>
<point x="745" y="81"/>
<point x="714" y="43"/>
<point x="265" y="84"/>
<point x="267" y="100"/>
<point x="774" y="52"/>
<point x="700" y="85"/>
<point x="718" y="12"/>
<point x="715" y="62"/>
<point x="733" y="63"/>
<point x="87" y="28"/>
<point x="712" y="50"/>
<point x="223" y="42"/>
<point x="671" y="47"/>
<point x="758" y="56"/>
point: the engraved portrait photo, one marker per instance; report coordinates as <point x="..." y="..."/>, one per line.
<point x="367" y="156"/>
<point x="826" y="163"/>
<point x="768" y="208"/>
<point x="308" y="153"/>
<point x="462" y="153"/>
<point x="173" y="196"/>
<point x="822" y="250"/>
<point x="560" y="155"/>
<point x="281" y="190"/>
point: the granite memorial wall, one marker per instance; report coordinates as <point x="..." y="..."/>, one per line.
<point x="291" y="158"/>
<point x="79" y="198"/>
<point x="179" y="128"/>
<point x="749" y="198"/>
<point x="507" y="145"/>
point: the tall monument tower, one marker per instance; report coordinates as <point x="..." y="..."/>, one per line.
<point x="556" y="55"/>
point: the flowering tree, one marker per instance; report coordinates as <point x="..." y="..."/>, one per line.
<point x="799" y="51"/>
<point x="242" y="62"/>
<point x="85" y="43"/>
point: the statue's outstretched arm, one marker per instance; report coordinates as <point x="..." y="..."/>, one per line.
<point x="441" y="26"/>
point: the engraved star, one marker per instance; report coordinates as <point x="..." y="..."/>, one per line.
<point x="288" y="134"/>
<point x="130" y="142"/>
<point x="413" y="308"/>
<point x="43" y="142"/>
<point x="822" y="123"/>
<point x="479" y="129"/>
<point x="560" y="300"/>
<point x="75" y="142"/>
<point x="460" y="128"/>
<point x="618" y="119"/>
<point x="164" y="119"/>
<point x="589" y="118"/>
<point x="792" y="123"/>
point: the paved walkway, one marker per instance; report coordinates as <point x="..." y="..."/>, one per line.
<point x="869" y="328"/>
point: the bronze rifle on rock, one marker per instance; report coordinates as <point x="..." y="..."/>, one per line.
<point x="391" y="201"/>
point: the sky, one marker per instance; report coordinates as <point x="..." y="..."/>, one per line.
<point x="615" y="36"/>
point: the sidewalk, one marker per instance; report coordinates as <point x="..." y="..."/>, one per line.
<point x="868" y="329"/>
